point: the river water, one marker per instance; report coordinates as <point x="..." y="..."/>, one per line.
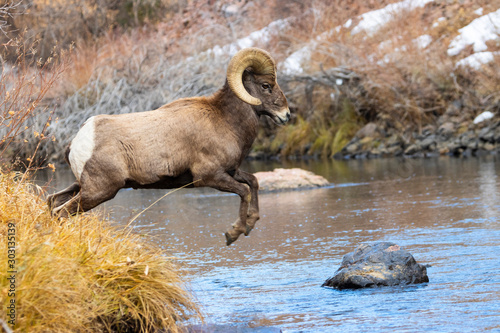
<point x="445" y="211"/>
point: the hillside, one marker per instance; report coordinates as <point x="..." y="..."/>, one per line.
<point x="363" y="78"/>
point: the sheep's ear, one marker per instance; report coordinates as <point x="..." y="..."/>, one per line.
<point x="248" y="75"/>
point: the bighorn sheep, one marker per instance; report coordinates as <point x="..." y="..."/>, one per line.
<point x="200" y="139"/>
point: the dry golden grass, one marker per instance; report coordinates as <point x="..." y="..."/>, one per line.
<point x="82" y="275"/>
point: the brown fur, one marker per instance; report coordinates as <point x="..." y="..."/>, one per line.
<point x="200" y="139"/>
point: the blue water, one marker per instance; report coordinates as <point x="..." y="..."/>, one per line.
<point x="445" y="211"/>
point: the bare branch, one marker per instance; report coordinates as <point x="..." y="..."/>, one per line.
<point x="8" y="11"/>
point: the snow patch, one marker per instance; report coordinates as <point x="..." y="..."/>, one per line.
<point x="423" y="41"/>
<point x="483" y="116"/>
<point x="439" y="20"/>
<point x="370" y="21"/>
<point x="293" y="64"/>
<point x="476" y="33"/>
<point x="374" y="20"/>
<point x="261" y="36"/>
<point x="478" y="59"/>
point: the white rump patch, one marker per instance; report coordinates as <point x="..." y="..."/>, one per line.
<point x="82" y="147"/>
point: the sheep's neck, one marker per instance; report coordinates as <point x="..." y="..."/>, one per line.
<point x="241" y="117"/>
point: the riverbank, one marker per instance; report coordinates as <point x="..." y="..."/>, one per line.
<point x="417" y="71"/>
<point x="81" y="274"/>
<point x="449" y="137"/>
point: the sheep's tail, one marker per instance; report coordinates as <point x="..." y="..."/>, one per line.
<point x="66" y="154"/>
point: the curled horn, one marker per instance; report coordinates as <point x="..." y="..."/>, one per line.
<point x="259" y="60"/>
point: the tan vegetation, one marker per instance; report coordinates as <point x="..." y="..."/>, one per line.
<point x="77" y="274"/>
<point x="81" y="275"/>
<point x="393" y="81"/>
<point x="386" y="77"/>
<point x="24" y="114"/>
<point x="63" y="22"/>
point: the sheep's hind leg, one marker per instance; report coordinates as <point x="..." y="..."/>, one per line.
<point x="96" y="191"/>
<point x="85" y="201"/>
<point x="253" y="209"/>
<point x="68" y="208"/>
<point x="57" y="199"/>
<point x="93" y="192"/>
<point x="224" y="182"/>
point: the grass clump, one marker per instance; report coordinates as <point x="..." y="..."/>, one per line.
<point x="292" y="138"/>
<point x="323" y="135"/>
<point x="81" y="275"/>
<point x="346" y="124"/>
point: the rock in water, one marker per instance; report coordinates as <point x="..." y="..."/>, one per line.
<point x="284" y="179"/>
<point x="379" y="264"/>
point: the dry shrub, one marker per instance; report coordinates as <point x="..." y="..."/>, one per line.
<point x="64" y="22"/>
<point x="395" y="75"/>
<point x="24" y="114"/>
<point x="412" y="86"/>
<point x="385" y="75"/>
<point x="83" y="62"/>
<point x="324" y="134"/>
<point x="82" y="275"/>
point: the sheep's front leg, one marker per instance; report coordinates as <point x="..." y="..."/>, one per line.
<point x="224" y="182"/>
<point x="253" y="210"/>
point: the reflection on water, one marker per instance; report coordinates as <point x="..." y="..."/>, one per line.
<point x="444" y="211"/>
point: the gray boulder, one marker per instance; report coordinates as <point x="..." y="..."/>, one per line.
<point x="369" y="130"/>
<point x="446" y="130"/>
<point x="378" y="264"/>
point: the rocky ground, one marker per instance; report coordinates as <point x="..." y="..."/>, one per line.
<point x="450" y="136"/>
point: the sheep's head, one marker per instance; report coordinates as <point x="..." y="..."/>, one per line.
<point x="251" y="75"/>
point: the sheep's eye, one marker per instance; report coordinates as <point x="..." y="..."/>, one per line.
<point x="266" y="86"/>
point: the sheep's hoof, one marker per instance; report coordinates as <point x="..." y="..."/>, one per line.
<point x="50" y="203"/>
<point x="230" y="240"/>
<point x="248" y="230"/>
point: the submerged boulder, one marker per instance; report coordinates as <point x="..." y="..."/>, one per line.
<point x="284" y="179"/>
<point x="378" y="264"/>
